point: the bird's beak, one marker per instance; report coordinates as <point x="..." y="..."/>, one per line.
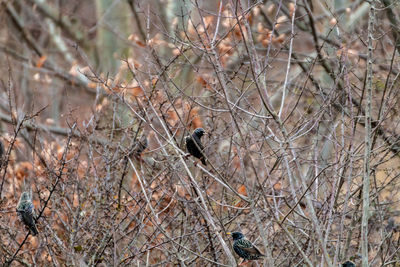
<point x="228" y="233"/>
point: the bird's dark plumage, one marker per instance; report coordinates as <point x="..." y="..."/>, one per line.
<point x="140" y="146"/>
<point x="26" y="212"/>
<point x="244" y="248"/>
<point x="194" y="145"/>
<point x="348" y="264"/>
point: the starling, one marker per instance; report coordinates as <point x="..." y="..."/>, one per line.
<point x="244" y="248"/>
<point x="391" y="226"/>
<point x="194" y="146"/>
<point x="26" y="212"/>
<point x="348" y="264"/>
<point x="140" y="146"/>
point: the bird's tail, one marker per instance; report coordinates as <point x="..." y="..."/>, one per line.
<point x="33" y="230"/>
<point x="203" y="160"/>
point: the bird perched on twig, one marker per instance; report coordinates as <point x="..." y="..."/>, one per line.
<point x="26" y="212"/>
<point x="139" y="146"/>
<point x="194" y="145"/>
<point x="244" y="248"/>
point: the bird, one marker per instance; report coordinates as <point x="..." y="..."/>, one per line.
<point x="194" y="145"/>
<point x="244" y="248"/>
<point x="26" y="212"/>
<point x="139" y="146"/>
<point x="348" y="264"/>
<point x="391" y="226"/>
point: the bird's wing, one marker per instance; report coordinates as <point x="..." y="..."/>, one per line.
<point x="140" y="146"/>
<point x="197" y="141"/>
<point x="26" y="207"/>
<point x="28" y="217"/>
<point x="187" y="138"/>
<point x="249" y="247"/>
<point x="30" y="207"/>
<point x="188" y="142"/>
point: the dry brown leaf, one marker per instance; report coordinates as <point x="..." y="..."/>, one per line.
<point x="278" y="186"/>
<point x="242" y="190"/>
<point x="22" y="170"/>
<point x="41" y="61"/>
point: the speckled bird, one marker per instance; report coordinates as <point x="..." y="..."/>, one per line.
<point x="194" y="145"/>
<point x="140" y="146"/>
<point x="348" y="264"/>
<point x="26" y="212"/>
<point x="244" y="248"/>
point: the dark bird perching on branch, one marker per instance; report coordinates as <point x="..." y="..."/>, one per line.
<point x="26" y="212"/>
<point x="139" y="147"/>
<point x="244" y="248"/>
<point x="194" y="145"/>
